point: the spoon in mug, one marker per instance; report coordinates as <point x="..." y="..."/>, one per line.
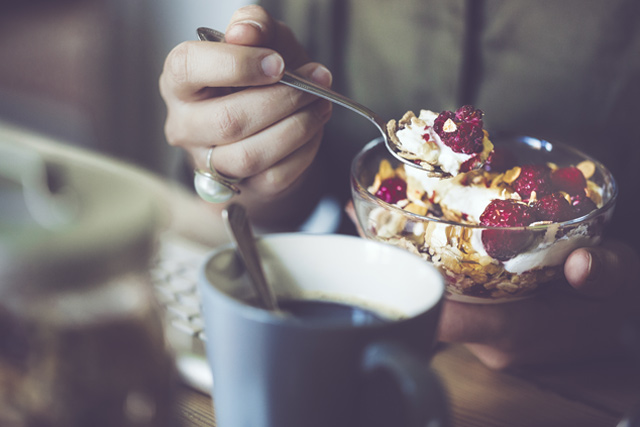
<point x="290" y="79"/>
<point x="237" y="223"/>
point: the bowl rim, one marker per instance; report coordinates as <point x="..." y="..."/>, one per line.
<point x="533" y="142"/>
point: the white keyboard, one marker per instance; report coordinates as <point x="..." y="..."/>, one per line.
<point x="174" y="274"/>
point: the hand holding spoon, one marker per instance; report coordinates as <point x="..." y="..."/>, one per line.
<point x="290" y="79"/>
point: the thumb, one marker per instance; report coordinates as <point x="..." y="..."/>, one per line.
<point x="600" y="271"/>
<point x="250" y="26"/>
<point x="253" y="26"/>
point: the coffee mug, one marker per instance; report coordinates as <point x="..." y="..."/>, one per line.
<point x="350" y="347"/>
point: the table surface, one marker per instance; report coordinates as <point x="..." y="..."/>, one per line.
<point x="582" y="394"/>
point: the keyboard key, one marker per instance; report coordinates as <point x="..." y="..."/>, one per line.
<point x="186" y="327"/>
<point x="189" y="299"/>
<point x="177" y="284"/>
<point x="183" y="311"/>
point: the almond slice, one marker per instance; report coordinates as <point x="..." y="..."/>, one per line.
<point x="587" y="167"/>
<point x="385" y="170"/>
<point x="512" y="174"/>
<point x="416" y="209"/>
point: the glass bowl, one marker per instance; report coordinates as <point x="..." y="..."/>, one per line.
<point x="455" y="245"/>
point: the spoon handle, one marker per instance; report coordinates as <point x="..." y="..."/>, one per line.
<point x="305" y="85"/>
<point x="293" y="80"/>
<point x="235" y="218"/>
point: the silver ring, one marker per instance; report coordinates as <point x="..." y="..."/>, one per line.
<point x="211" y="186"/>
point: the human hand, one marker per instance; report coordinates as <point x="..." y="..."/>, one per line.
<point x="222" y="95"/>
<point x="580" y="318"/>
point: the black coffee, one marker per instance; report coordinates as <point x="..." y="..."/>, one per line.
<point x="330" y="312"/>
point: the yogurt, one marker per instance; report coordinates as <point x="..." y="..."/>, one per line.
<point x="432" y="149"/>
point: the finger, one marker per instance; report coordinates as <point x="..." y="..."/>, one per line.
<point x="261" y="151"/>
<point x="250" y="26"/>
<point x="350" y="210"/>
<point x="579" y="266"/>
<point x="601" y="271"/>
<point x="237" y="116"/>
<point x="253" y="26"/>
<point x="192" y="66"/>
<point x="284" y="175"/>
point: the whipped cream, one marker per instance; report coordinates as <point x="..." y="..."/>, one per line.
<point x="551" y="251"/>
<point x="433" y="150"/>
<point x="468" y="200"/>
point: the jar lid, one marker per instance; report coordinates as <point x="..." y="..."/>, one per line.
<point x="70" y="218"/>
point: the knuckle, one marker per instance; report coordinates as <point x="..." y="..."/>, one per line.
<point x="230" y="124"/>
<point x="174" y="133"/>
<point x="177" y="65"/>
<point x="251" y="11"/>
<point x="254" y="9"/>
<point x="295" y="98"/>
<point x="299" y="125"/>
<point x="246" y="162"/>
<point x="274" y="182"/>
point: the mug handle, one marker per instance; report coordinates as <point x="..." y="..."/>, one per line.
<point x="395" y="375"/>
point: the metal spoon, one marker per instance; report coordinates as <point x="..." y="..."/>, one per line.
<point x="290" y="79"/>
<point x="237" y="223"/>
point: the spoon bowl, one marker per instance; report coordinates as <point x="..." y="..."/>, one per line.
<point x="295" y="81"/>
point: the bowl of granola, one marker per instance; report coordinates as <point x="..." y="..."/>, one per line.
<point x="498" y="233"/>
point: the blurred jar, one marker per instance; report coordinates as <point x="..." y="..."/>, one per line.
<point x="81" y="338"/>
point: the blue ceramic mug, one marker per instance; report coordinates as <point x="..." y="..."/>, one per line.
<point x="351" y="349"/>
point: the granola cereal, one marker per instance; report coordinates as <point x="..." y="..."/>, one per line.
<point x="458" y="225"/>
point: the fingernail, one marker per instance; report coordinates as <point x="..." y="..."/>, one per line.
<point x="236" y="28"/>
<point x="594" y="267"/>
<point x="322" y="76"/>
<point x="272" y="65"/>
<point x="251" y="22"/>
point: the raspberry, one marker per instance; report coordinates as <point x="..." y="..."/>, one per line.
<point x="533" y="178"/>
<point x="553" y="207"/>
<point x="569" y="180"/>
<point x="470" y="164"/>
<point x="500" y="160"/>
<point x="507" y="213"/>
<point x="468" y="114"/>
<point x="505" y="244"/>
<point x="392" y="190"/>
<point x="464" y="134"/>
<point x="582" y="204"/>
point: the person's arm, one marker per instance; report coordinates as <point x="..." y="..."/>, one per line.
<point x="223" y="95"/>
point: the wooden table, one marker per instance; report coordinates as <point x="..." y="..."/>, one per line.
<point x="584" y="394"/>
